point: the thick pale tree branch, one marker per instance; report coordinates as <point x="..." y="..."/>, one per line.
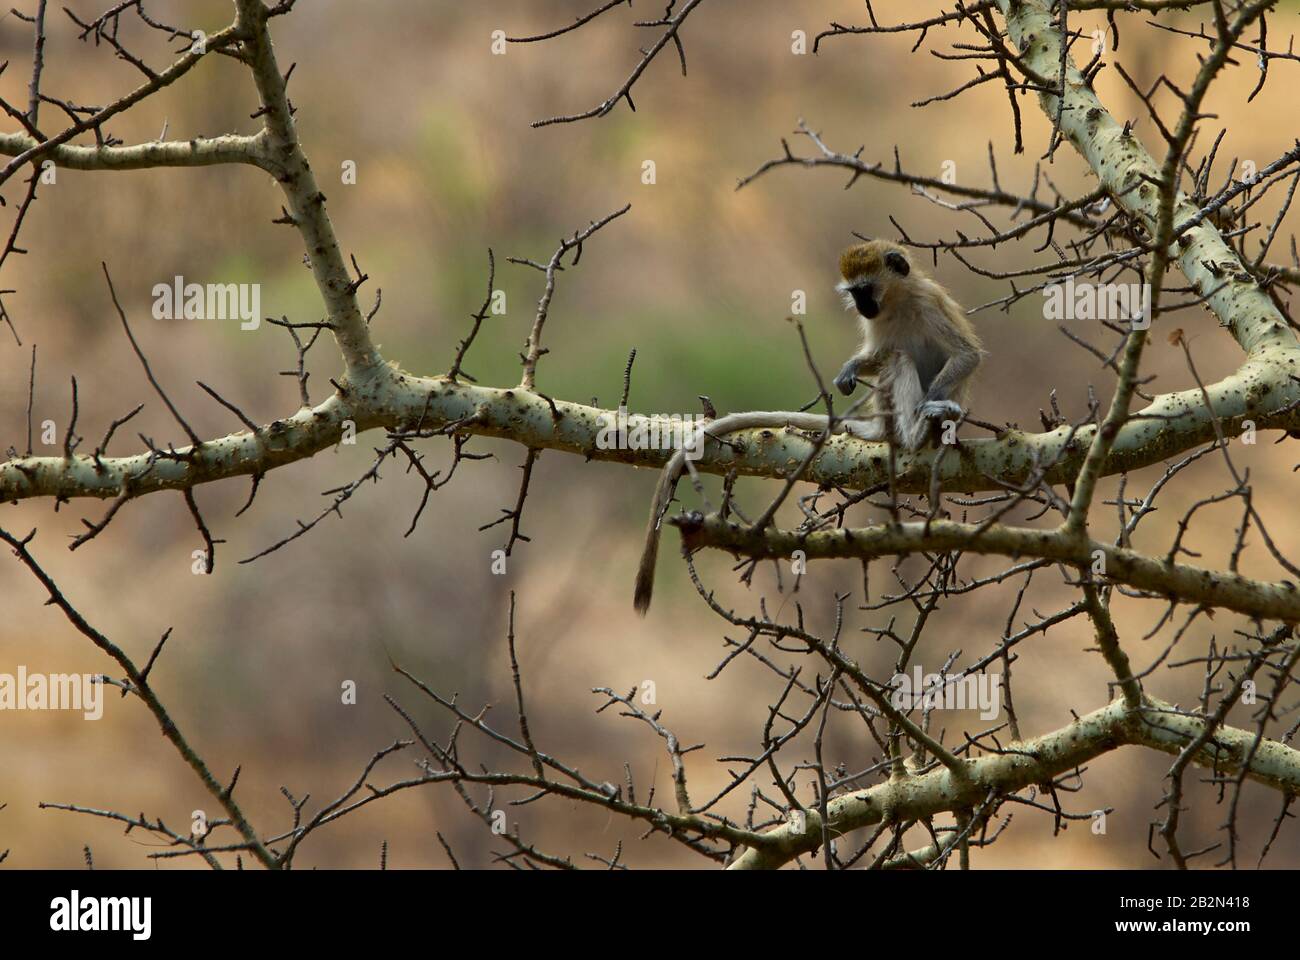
<point x="169" y="76"/>
<point x="306" y="201"/>
<point x="396" y="400"/>
<point x="970" y="780"/>
<point x="1280" y="601"/>
<point x="199" y="152"/>
<point x="1161" y="227"/>
<point x="1262" y="392"/>
<point x="1127" y="170"/>
<point x="1156" y="725"/>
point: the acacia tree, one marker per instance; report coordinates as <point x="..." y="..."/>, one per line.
<point x="1151" y="214"/>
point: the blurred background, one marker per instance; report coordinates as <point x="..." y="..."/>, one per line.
<point x="698" y="278"/>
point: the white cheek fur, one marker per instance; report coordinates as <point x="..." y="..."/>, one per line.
<point x="846" y="294"/>
<point x="843" y="289"/>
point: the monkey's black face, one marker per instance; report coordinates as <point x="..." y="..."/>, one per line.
<point x="864" y="298"/>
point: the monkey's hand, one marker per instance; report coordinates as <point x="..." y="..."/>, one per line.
<point x="847" y="379"/>
<point x="940" y="410"/>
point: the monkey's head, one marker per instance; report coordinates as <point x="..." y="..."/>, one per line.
<point x="875" y="273"/>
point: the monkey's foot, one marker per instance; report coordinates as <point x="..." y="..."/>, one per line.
<point x="865" y="429"/>
<point x="940" y="410"/>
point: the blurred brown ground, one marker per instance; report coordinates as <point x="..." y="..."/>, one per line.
<point x="697" y="278"/>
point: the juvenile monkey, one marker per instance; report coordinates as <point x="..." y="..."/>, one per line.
<point x="915" y="340"/>
<point x="918" y="349"/>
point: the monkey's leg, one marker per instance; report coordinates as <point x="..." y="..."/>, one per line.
<point x="910" y="428"/>
<point x="940" y="401"/>
<point x="869" y="428"/>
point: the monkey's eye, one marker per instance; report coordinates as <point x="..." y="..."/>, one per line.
<point x="898" y="263"/>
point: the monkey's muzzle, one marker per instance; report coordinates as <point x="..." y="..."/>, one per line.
<point x="864" y="299"/>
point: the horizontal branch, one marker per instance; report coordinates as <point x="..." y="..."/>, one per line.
<point x="1157" y="725"/>
<point x="199" y="152"/>
<point x="1256" y="598"/>
<point x="1262" y="391"/>
<point x="219" y="40"/>
<point x="394" y="400"/>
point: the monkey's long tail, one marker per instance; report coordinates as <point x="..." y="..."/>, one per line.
<point x="645" y="571"/>
<point x="672" y="471"/>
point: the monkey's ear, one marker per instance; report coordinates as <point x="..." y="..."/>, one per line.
<point x="898" y="263"/>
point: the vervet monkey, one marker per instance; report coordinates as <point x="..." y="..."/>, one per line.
<point x="915" y="339"/>
<point x="918" y="349"/>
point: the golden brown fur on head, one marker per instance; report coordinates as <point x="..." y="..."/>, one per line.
<point x="875" y="272"/>
<point x="867" y="258"/>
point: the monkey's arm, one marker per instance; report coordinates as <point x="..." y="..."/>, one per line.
<point x="865" y="363"/>
<point x="942" y="397"/>
<point x="953" y="334"/>
<point x="672" y="471"/>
